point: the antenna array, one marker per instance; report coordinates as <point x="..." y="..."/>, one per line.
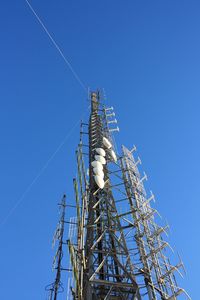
<point x="119" y="250"/>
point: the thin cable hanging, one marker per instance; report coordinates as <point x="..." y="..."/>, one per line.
<point x="42" y="170"/>
<point x="57" y="47"/>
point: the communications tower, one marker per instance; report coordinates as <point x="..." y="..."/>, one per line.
<point x="116" y="243"/>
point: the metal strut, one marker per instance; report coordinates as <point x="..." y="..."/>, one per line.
<point x="118" y="251"/>
<point x="56" y="287"/>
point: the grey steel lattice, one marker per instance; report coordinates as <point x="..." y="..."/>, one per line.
<point x="119" y="252"/>
<point x="57" y="287"/>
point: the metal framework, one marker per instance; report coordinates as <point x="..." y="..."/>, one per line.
<point x="119" y="251"/>
<point x="56" y="287"/>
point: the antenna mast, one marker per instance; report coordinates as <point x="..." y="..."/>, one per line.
<point x="56" y="287"/>
<point x="116" y="244"/>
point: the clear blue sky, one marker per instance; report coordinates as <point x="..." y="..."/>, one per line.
<point x="146" y="56"/>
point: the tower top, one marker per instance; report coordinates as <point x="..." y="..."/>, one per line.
<point x="94" y="101"/>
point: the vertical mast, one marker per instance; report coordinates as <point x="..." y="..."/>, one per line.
<point x="56" y="287"/>
<point x="108" y="268"/>
<point x="120" y="252"/>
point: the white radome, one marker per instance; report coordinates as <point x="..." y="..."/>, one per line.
<point x="107" y="143"/>
<point x="113" y="155"/>
<point x="101" y="151"/>
<point x="99" y="181"/>
<point x="96" y="164"/>
<point x="99" y="172"/>
<point x="101" y="159"/>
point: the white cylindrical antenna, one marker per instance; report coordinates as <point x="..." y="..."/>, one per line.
<point x="99" y="181"/>
<point x="114" y="129"/>
<point x="109" y="108"/>
<point x="107" y="143"/>
<point x="133" y="149"/>
<point x="112" y="121"/>
<point x="138" y="161"/>
<point x="111" y="115"/>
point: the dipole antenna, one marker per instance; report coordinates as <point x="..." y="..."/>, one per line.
<point x="56" y="287"/>
<point x="116" y="241"/>
<point x="119" y="250"/>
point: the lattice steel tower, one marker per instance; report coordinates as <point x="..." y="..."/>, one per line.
<point x="117" y="250"/>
